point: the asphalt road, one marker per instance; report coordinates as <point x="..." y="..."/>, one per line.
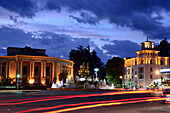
<point x="97" y="103"/>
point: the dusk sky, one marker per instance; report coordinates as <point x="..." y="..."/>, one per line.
<point x="111" y="27"/>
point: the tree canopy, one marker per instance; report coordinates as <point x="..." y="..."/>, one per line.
<point x="163" y="47"/>
<point x="114" y="69"/>
<point x="83" y="55"/>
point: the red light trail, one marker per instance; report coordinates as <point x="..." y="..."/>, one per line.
<point x="94" y="104"/>
<point x="66" y="97"/>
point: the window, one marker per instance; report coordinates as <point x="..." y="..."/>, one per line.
<point x="162" y="62"/>
<point x="150" y="61"/>
<point x="140" y="76"/>
<point x="140" y="70"/>
<point x="47" y="81"/>
<point x="135" y="72"/>
<point x="132" y="70"/>
<point x="135" y="62"/>
<point x="141" y="61"/>
<point x="150" y="76"/>
<point x="151" y="69"/>
<point x="24" y="70"/>
<point x="128" y="71"/>
<point x="36" y="70"/>
<point x="132" y="77"/>
<point x="47" y="71"/>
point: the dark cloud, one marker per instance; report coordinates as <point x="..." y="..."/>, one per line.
<point x="14" y="19"/>
<point x="25" y="8"/>
<point x="86" y="18"/>
<point x="56" y="45"/>
<point x="135" y="14"/>
<point x="123" y="48"/>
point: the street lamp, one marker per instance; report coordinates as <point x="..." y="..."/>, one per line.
<point x="120" y="77"/>
<point x="96" y="70"/>
<point x="157" y="72"/>
<point x="18" y="76"/>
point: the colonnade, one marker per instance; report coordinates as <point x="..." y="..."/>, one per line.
<point x="56" y="69"/>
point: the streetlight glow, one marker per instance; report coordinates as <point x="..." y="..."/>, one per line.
<point x="96" y="69"/>
<point x="69" y="77"/>
<point x="157" y="72"/>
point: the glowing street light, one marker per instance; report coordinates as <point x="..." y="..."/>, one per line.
<point x="31" y="81"/>
<point x="69" y="77"/>
<point x="96" y="70"/>
<point x="157" y="72"/>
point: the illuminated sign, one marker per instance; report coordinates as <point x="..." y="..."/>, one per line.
<point x="165" y="70"/>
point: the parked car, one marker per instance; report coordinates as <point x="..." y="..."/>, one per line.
<point x="166" y="95"/>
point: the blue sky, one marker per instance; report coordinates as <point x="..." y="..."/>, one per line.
<point x="111" y="27"/>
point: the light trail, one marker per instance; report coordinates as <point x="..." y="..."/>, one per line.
<point x="96" y="102"/>
<point x="102" y="104"/>
<point x="75" y="96"/>
<point x="15" y="100"/>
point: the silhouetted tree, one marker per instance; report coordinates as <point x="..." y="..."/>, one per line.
<point x="63" y="76"/>
<point x="84" y="55"/>
<point x="163" y="47"/>
<point x="114" y="69"/>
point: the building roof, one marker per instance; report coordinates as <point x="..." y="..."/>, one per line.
<point x="12" y="51"/>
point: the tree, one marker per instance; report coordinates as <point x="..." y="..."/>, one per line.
<point x="163" y="47"/>
<point x="95" y="62"/>
<point x="84" y="55"/>
<point x="63" y="76"/>
<point x="114" y="69"/>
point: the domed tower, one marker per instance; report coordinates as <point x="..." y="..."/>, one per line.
<point x="147" y="45"/>
<point x="147" y="55"/>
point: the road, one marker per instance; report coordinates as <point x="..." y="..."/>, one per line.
<point x="112" y="102"/>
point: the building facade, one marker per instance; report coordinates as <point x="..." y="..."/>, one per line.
<point x="32" y="66"/>
<point x="144" y="70"/>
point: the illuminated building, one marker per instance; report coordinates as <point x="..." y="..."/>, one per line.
<point x="143" y="71"/>
<point x="32" y="66"/>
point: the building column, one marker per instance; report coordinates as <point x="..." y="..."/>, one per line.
<point x="44" y="69"/>
<point x="53" y="71"/>
<point x="33" y="66"/>
<point x="72" y="73"/>
<point x="30" y="69"/>
<point x="7" y="69"/>
<point x="21" y="69"/>
<point x="58" y="71"/>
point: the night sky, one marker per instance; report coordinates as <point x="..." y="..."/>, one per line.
<point x="111" y="27"/>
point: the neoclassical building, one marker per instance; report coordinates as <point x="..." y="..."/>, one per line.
<point x="144" y="70"/>
<point x="32" y="66"/>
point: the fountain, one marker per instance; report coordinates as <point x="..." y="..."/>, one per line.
<point x="112" y="86"/>
<point x="54" y="85"/>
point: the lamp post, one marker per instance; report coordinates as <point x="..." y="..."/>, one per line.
<point x="18" y="76"/>
<point x="120" y="77"/>
<point x="96" y="70"/>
